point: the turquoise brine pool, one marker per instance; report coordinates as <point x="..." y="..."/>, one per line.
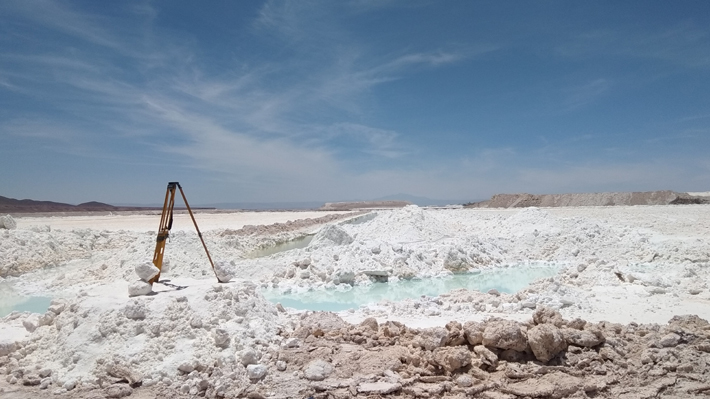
<point x="508" y="280"/>
<point x="11" y="300"/>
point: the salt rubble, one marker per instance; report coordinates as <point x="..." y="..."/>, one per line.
<point x="176" y="338"/>
<point x="644" y="264"/>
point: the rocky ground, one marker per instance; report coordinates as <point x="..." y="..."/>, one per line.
<point x="325" y="357"/>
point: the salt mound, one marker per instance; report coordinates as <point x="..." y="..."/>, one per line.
<point x="331" y="235"/>
<point x="409" y="224"/>
<point x="172" y="337"/>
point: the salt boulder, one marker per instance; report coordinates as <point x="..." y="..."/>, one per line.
<point x="248" y="356"/>
<point x="317" y="370"/>
<point x="224" y="271"/>
<point x="31" y="323"/>
<point x="146" y="270"/>
<point x="138" y="288"/>
<point x="256" y="371"/>
<point x="7" y="222"/>
<point x="546" y="341"/>
<point x="504" y="334"/>
<point x="57" y="306"/>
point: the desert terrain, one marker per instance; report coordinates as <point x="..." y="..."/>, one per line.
<point x="620" y="312"/>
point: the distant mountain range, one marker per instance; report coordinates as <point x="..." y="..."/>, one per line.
<point x="11" y="205"/>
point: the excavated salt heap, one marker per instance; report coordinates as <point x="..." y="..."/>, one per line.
<point x="171" y="338"/>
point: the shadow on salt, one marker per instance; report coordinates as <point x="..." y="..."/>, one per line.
<point x="508" y="280"/>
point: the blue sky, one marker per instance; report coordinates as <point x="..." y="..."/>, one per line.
<point x="250" y="101"/>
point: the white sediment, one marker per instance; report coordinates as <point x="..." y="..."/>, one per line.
<point x="622" y="264"/>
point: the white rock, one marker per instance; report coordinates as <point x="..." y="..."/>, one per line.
<point x="57" y="306"/>
<point x="186" y="367"/>
<point x="464" y="381"/>
<point x="256" y="371"/>
<point x="146" y="270"/>
<point x="44" y="384"/>
<point x="317" y="370"/>
<point x="31" y="323"/>
<point x="248" y="356"/>
<point x="139" y="287"/>
<point x="7" y="222"/>
<point x="224" y="271"/>
<point x="69" y="384"/>
<point x="670" y="340"/>
<point x="281" y="365"/>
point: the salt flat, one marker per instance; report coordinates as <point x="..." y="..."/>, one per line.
<point x="626" y="265"/>
<point x="135" y="222"/>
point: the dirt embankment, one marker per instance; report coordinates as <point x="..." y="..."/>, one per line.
<point x="523" y="200"/>
<point x="324" y="357"/>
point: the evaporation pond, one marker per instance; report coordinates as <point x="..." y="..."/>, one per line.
<point x="11" y="300"/>
<point x="508" y="280"/>
<point x="284" y="246"/>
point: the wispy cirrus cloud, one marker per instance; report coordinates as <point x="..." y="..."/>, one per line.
<point x="586" y="93"/>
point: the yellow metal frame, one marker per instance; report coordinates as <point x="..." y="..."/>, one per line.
<point x="166" y="223"/>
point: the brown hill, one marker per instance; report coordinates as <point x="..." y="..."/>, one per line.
<point x="665" y="197"/>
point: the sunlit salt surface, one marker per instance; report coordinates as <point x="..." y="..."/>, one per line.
<point x="282" y="247"/>
<point x="11" y="300"/>
<point x="508" y="280"/>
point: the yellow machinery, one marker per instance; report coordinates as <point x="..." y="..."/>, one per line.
<point x="166" y="223"/>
